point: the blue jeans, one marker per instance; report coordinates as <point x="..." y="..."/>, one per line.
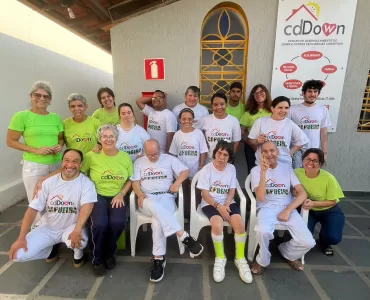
<point x="332" y="222"/>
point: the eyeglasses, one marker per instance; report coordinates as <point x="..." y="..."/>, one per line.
<point x="39" y="96"/>
<point x="157" y="98"/>
<point x="313" y="161"/>
<point x="108" y="137"/>
<point x="153" y="155"/>
<point x="261" y="92"/>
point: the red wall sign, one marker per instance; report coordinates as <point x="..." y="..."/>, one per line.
<point x="154" y="68"/>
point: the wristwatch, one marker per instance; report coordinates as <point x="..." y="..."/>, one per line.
<point x="120" y="193"/>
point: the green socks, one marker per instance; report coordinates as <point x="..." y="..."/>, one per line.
<point x="218" y="243"/>
<point x="239" y="245"/>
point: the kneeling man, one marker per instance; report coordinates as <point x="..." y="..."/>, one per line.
<point x="153" y="183"/>
<point x="68" y="199"/>
<point x="272" y="183"/>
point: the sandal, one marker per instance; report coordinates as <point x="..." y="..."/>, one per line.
<point x="327" y="251"/>
<point x="257" y="269"/>
<point x="295" y="264"/>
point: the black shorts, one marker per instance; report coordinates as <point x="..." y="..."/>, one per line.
<point x="210" y="211"/>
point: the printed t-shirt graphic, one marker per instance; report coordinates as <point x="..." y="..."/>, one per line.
<point x="132" y="141"/>
<point x="38" y="131"/>
<point x="158" y="176"/>
<point x="81" y="136"/>
<point x="310" y="119"/>
<point x="109" y="173"/>
<point x="106" y="118"/>
<point x="215" y="130"/>
<point x="62" y="200"/>
<point x="159" y="124"/>
<point x="199" y="110"/>
<point x="278" y="185"/>
<point x="188" y="147"/>
<point x="218" y="183"/>
<point x="283" y="133"/>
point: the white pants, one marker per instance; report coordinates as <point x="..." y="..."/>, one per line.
<point x="161" y="208"/>
<point x="41" y="240"/>
<point x="301" y="242"/>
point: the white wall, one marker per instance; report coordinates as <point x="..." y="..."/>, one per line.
<point x="21" y="64"/>
<point x="173" y="32"/>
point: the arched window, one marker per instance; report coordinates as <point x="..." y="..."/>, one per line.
<point x="224" y="45"/>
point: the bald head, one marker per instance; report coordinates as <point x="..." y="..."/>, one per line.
<point x="270" y="152"/>
<point x="267" y="145"/>
<point x="152" y="149"/>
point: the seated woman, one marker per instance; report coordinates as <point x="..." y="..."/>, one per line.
<point x="323" y="193"/>
<point x="217" y="180"/>
<point x="110" y="171"/>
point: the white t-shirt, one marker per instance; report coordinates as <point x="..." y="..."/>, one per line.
<point x="218" y="183"/>
<point x="199" y="110"/>
<point x="283" y="133"/>
<point x="278" y="184"/>
<point x="310" y="119"/>
<point x="159" y="124"/>
<point x="227" y="129"/>
<point x="158" y="176"/>
<point x="62" y="200"/>
<point x="188" y="147"/>
<point x="132" y="141"/>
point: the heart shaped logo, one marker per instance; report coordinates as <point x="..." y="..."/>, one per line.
<point x="328" y="29"/>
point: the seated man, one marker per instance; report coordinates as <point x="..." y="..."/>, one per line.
<point x="272" y="183"/>
<point x="68" y="199"/>
<point x="153" y="184"/>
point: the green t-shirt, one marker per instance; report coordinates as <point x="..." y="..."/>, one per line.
<point x="109" y="173"/>
<point x="248" y="120"/>
<point x="106" y="118"/>
<point x="321" y="188"/>
<point x="38" y="131"/>
<point x="236" y="111"/>
<point x="82" y="136"/>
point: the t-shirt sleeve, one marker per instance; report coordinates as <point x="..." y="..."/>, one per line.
<point x="325" y="122"/>
<point x="299" y="138"/>
<point x="244" y="120"/>
<point x="171" y="122"/>
<point x="293" y="178"/>
<point x="177" y="165"/>
<point x="144" y="136"/>
<point x="136" y="175"/>
<point x="255" y="130"/>
<point x="333" y="191"/>
<point x="204" y="179"/>
<point x="147" y="110"/>
<point x="174" y="149"/>
<point x="203" y="144"/>
<point x="86" y="162"/>
<point x="255" y="178"/>
<point x="96" y="114"/>
<point x="60" y="124"/>
<point x="237" y="136"/>
<point x="199" y="124"/>
<point x="130" y="167"/>
<point x="175" y="111"/>
<point x="17" y="122"/>
<point x="233" y="177"/>
<point x="88" y="194"/>
<point x="39" y="202"/>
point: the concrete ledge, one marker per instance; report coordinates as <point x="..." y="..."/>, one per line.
<point x="11" y="194"/>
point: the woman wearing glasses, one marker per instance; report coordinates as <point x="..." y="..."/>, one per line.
<point x="258" y="105"/>
<point x="107" y="114"/>
<point x="323" y="192"/>
<point x="42" y="133"/>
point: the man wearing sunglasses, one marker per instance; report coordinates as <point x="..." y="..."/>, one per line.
<point x="162" y="123"/>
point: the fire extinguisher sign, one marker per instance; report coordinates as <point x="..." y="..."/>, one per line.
<point x="154" y="68"/>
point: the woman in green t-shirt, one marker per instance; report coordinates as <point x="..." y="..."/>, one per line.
<point x="80" y="130"/>
<point x="42" y="133"/>
<point x="107" y="114"/>
<point x="323" y="193"/>
<point x="258" y="105"/>
<point x="110" y="170"/>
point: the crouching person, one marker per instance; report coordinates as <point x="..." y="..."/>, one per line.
<point x="68" y="199"/>
<point x="153" y="183"/>
<point x="217" y="180"/>
<point x="272" y="183"/>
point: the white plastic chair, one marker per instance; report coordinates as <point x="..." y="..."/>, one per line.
<point x="198" y="219"/>
<point x="252" y="243"/>
<point x="137" y="219"/>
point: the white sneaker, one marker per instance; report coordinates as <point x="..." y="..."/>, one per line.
<point x="244" y="270"/>
<point x="219" y="269"/>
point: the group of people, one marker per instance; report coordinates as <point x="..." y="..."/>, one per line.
<point x="108" y="155"/>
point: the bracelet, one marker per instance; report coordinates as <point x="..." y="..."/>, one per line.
<point x="216" y="205"/>
<point x="120" y="193"/>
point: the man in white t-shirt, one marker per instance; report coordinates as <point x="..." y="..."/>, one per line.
<point x="153" y="183"/>
<point x="313" y="118"/>
<point x="162" y="123"/>
<point x="272" y="183"/>
<point x="68" y="199"/>
<point x="192" y="95"/>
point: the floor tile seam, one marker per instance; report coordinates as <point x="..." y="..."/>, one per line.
<point x="261" y="287"/>
<point x="43" y="297"/>
<point x="5" y="267"/>
<point x="6" y="231"/>
<point x="149" y="291"/>
<point x="10" y="224"/>
<point x="355" y="229"/>
<point x="206" y="284"/>
<point x="357" y="216"/>
<point x="315" y="284"/>
<point x="355" y="237"/>
<point x="360" y="207"/>
<point x="95" y="287"/>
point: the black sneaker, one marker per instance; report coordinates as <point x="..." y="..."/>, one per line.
<point x="99" y="270"/>
<point x="110" y="263"/>
<point x="54" y="254"/>
<point x="193" y="246"/>
<point x="77" y="263"/>
<point x="157" y="271"/>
